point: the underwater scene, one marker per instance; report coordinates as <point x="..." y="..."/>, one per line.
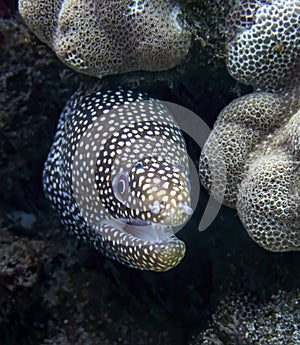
<point x="149" y="172"/>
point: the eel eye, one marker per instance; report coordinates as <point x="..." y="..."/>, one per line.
<point x="120" y="185"/>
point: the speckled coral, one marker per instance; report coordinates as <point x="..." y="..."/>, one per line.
<point x="241" y="319"/>
<point x="257" y="136"/>
<point x="239" y="127"/>
<point x="265" y="51"/>
<point x="241" y="16"/>
<point x="269" y="200"/>
<point x="109" y="37"/>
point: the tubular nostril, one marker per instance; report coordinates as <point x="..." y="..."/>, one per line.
<point x="186" y="209"/>
<point x="155" y="208"/>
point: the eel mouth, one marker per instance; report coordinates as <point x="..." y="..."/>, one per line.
<point x="136" y="222"/>
<point x="142" y="230"/>
<point x="147" y="231"/>
<point x="143" y="245"/>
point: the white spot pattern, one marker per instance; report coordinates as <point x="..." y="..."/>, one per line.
<point x="95" y="140"/>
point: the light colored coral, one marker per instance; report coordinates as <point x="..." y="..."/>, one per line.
<point x="239" y="127"/>
<point x="109" y="37"/>
<point x="265" y="51"/>
<point x="241" y="16"/>
<point x="244" y="319"/>
<point x="269" y="200"/>
<point x="41" y="17"/>
<point x="257" y="137"/>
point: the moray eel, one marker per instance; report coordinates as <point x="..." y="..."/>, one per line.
<point x="117" y="173"/>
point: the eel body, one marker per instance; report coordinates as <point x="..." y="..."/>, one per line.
<point x="117" y="173"/>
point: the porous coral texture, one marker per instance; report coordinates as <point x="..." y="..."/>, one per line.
<point x="269" y="200"/>
<point x="109" y="37"/>
<point x="244" y="319"/>
<point x="241" y="16"/>
<point x="239" y="127"/>
<point x="41" y="17"/>
<point x="251" y="162"/>
<point x="265" y="50"/>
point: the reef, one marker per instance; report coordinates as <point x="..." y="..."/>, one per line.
<point x="251" y="159"/>
<point x="240" y="126"/>
<point x="264" y="50"/>
<point x="56" y="290"/>
<point x="256" y="139"/>
<point x="242" y="319"/>
<point x="25" y="125"/>
<point x="110" y="37"/>
<point x="268" y="199"/>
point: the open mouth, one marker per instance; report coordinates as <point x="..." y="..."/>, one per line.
<point x="149" y="232"/>
<point x="145" y="231"/>
<point x="136" y="222"/>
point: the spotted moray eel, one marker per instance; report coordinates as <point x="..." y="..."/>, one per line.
<point x="117" y="174"/>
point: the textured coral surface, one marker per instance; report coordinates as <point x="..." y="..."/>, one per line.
<point x="269" y="201"/>
<point x="251" y="159"/>
<point x="243" y="320"/>
<point x="110" y="37"/>
<point x="264" y="52"/>
<point x="239" y="127"/>
<point x="256" y="138"/>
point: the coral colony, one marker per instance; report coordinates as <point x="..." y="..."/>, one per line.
<point x="256" y="134"/>
<point x="124" y="36"/>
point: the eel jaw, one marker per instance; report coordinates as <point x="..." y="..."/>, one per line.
<point x="147" y="231"/>
<point x="152" y="247"/>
